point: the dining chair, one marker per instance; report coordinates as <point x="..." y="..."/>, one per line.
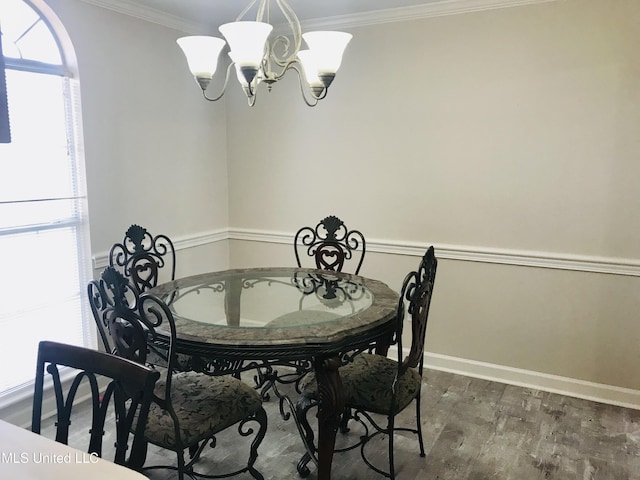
<point x="119" y="394"/>
<point x="377" y="384"/>
<point x="141" y="256"/>
<point x="331" y="244"/>
<point x="189" y="408"/>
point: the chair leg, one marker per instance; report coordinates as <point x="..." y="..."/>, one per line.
<point x="180" y="455"/>
<point x="302" y="407"/>
<point x="138" y="455"/>
<point x="344" y="421"/>
<point x="261" y="417"/>
<point x="303" y="469"/>
<point x="419" y="425"/>
<point x="193" y="450"/>
<point x="392" y="470"/>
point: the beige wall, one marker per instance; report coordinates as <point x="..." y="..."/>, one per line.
<point x="513" y="128"/>
<point x="504" y="130"/>
<point x="155" y="152"/>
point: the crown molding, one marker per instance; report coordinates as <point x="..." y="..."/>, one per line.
<point x="148" y="14"/>
<point x="417" y="12"/>
<point x="398" y="14"/>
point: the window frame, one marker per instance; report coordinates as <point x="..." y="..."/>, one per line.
<point x="79" y="220"/>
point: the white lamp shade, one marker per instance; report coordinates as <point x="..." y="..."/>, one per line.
<point x="202" y="54"/>
<point x="310" y="66"/>
<point x="240" y="75"/>
<point x="246" y="41"/>
<point x="327" y="48"/>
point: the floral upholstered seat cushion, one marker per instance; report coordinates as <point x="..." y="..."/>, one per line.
<point x="367" y="384"/>
<point x="204" y="406"/>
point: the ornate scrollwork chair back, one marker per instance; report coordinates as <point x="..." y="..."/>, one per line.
<point x="115" y="305"/>
<point x="331" y="244"/>
<point x="417" y="290"/>
<point x="142" y="328"/>
<point x="376" y="384"/>
<point x="127" y="395"/>
<point x="141" y="257"/>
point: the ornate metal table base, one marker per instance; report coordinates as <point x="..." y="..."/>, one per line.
<point x="330" y="407"/>
<point x="258" y="319"/>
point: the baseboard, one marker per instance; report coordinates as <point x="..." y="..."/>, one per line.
<point x="19" y="411"/>
<point x="623" y="397"/>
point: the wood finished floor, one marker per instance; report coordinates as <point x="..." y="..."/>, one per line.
<point x="473" y="429"/>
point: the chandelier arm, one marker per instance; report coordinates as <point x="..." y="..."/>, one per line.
<point x="251" y="4"/>
<point x="289" y="52"/>
<point x="251" y="90"/>
<point x="224" y="87"/>
<point x="315" y="100"/>
<point x="265" y="5"/>
<point x="289" y="44"/>
<point x="284" y="65"/>
<point x="294" y="24"/>
<point x="281" y="62"/>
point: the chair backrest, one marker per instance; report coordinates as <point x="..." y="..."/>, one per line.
<point x="100" y="302"/>
<point x="417" y="289"/>
<point x="112" y="295"/>
<point x="330" y="243"/>
<point x="127" y="395"/>
<point x="128" y="324"/>
<point x="141" y="256"/>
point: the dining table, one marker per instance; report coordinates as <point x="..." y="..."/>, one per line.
<point x="236" y="320"/>
<point x="26" y="455"/>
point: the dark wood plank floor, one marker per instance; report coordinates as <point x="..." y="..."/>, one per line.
<point x="474" y="430"/>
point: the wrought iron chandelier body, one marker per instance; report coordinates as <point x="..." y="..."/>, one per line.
<point x="258" y="58"/>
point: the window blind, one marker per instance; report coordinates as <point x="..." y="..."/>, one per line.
<point x="44" y="242"/>
<point x="5" y="131"/>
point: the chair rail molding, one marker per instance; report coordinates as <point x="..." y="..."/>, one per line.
<point x="523" y="258"/>
<point x="433" y="8"/>
<point x="101" y="260"/>
<point x="463" y="253"/>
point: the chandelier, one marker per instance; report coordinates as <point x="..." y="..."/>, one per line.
<point x="257" y="58"/>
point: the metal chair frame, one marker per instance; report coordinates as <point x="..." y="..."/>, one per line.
<point x="417" y="290"/>
<point x="141" y="256"/>
<point x="127" y="395"/>
<point x="331" y="244"/>
<point x="131" y="321"/>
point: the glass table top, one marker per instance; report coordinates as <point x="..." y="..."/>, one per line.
<point x="275" y="304"/>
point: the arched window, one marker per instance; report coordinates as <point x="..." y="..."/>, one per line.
<point x="44" y="249"/>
